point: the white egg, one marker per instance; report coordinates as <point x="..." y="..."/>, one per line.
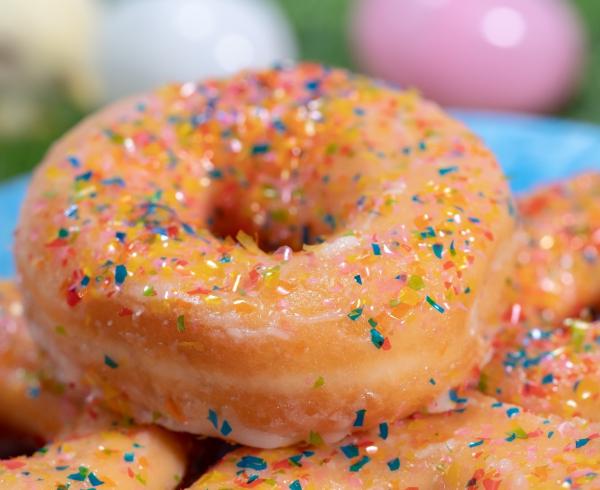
<point x="146" y="43"/>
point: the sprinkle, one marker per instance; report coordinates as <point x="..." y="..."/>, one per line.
<point x="120" y="274"/>
<point x="435" y="305"/>
<point x="549" y="378"/>
<point x="358" y="279"/>
<point x="383" y="430"/>
<point x="376" y="338"/>
<point x="453" y="394"/>
<point x="110" y="362"/>
<point x="84" y="177"/>
<point x="376" y="248"/>
<point x="355" y="314"/>
<point x="359" y="464"/>
<point x="312" y="84"/>
<point x="432" y="381"/>
<point x="360" y="418"/>
<point x="512" y="411"/>
<point x="94" y="480"/>
<point x="213" y="417"/>
<point x="119" y="235"/>
<point x="350" y="451"/>
<point x="63" y="233"/>
<point x="181" y="323"/>
<point x="476" y="443"/>
<point x="252" y="463"/>
<point x="394" y="464"/>
<point x="416" y="283"/>
<point x="581" y="442"/>
<point x="438" y="250"/>
<point x="149" y="291"/>
<point x="429" y="232"/>
<point x="447" y="170"/>
<point x="74" y="161"/>
<point x="117" y="181"/>
<point x="295" y="485"/>
<point x="226" y="428"/>
<point x="260" y="149"/>
<point x="319" y="382"/>
<point x="129" y="457"/>
<point x="315" y="438"/>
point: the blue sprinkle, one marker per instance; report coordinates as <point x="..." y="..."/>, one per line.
<point x="329" y="220"/>
<point x="118" y="181"/>
<point x="110" y="362"/>
<point x="549" y="378"/>
<point x="512" y="411"/>
<point x="74" y="161"/>
<point x="120" y="274"/>
<point x="312" y="84"/>
<point x="214" y="419"/>
<point x="34" y="392"/>
<point x="260" y="149"/>
<point x="376" y="338"/>
<point x="94" y="480"/>
<point x="376" y="248"/>
<point x="359" y="464"/>
<point x="121" y="236"/>
<point x="394" y="464"/>
<point x="383" y="430"/>
<point x="61" y="468"/>
<point x="84" y="177"/>
<point x="511" y="438"/>
<point x="453" y="394"/>
<point x="438" y="249"/>
<point x="476" y="443"/>
<point x="226" y="428"/>
<point x="252" y="463"/>
<point x="429" y="232"/>
<point x="581" y="442"/>
<point x="72" y="211"/>
<point x="295" y="460"/>
<point x="295" y="485"/>
<point x="447" y="170"/>
<point x="252" y="478"/>
<point x="215" y="174"/>
<point x="76" y="477"/>
<point x="497" y="404"/>
<point x="129" y="457"/>
<point x="358" y="279"/>
<point x="474" y="220"/>
<point x="359" y="111"/>
<point x="280" y="126"/>
<point x="432" y="381"/>
<point x="188" y="229"/>
<point x="550" y="434"/>
<point x="360" y="418"/>
<point x="350" y="451"/>
<point x="416" y="198"/>
<point x="85" y="281"/>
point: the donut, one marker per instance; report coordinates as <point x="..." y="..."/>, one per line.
<point x="547" y="369"/>
<point x="483" y="444"/>
<point x="91" y="447"/>
<point x="31" y="402"/>
<point x="287" y="252"/>
<point x="558" y="259"/>
<point x="137" y="458"/>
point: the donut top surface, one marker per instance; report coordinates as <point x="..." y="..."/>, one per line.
<point x="294" y="193"/>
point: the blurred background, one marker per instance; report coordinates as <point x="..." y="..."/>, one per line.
<point x="61" y="59"/>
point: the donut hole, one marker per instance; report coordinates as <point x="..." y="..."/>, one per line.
<point x="278" y="207"/>
<point x="14" y="444"/>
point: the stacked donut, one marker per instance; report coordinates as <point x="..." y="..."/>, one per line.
<point x="293" y="256"/>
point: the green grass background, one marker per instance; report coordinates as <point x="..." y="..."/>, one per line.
<point x="321" y="29"/>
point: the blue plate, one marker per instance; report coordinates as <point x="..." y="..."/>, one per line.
<point x="532" y="151"/>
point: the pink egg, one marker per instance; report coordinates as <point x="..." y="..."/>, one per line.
<point x="518" y="55"/>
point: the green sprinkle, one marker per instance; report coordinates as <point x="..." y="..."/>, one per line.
<point x="63" y="233"/>
<point x="416" y="283"/>
<point x="315" y="439"/>
<point x="355" y="314"/>
<point x="372" y="322"/>
<point x="110" y="362"/>
<point x="319" y="382"/>
<point x="181" y="323"/>
<point x="60" y="330"/>
<point x="434" y="305"/>
<point x="149" y="291"/>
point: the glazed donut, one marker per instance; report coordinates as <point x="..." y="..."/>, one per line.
<point x="558" y="261"/>
<point x="547" y="369"/>
<point x="95" y="449"/>
<point x="30" y="401"/>
<point x="373" y="237"/>
<point x="484" y="444"/>
<point x="135" y="458"/>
